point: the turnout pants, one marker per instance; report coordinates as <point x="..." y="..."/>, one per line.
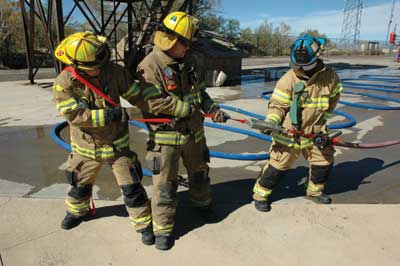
<point x="165" y="158"/>
<point x="283" y="157"/>
<point x="82" y="172"/>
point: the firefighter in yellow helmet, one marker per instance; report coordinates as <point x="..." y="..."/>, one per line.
<point x="303" y="100"/>
<point x="178" y="94"/>
<point x="99" y="130"/>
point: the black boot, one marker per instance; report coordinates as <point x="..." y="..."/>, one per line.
<point x="322" y="199"/>
<point x="148" y="237"/>
<point x="207" y="213"/>
<point x="70" y="221"/>
<point x="164" y="242"/>
<point x="262" y="206"/>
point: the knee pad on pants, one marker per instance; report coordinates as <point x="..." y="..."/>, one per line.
<point x="168" y="192"/>
<point x="271" y="177"/>
<point x="320" y="173"/>
<point x="134" y="195"/>
<point x="78" y="192"/>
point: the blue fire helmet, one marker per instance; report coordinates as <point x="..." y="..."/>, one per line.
<point x="305" y="51"/>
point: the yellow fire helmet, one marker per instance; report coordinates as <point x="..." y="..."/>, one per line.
<point x="177" y="26"/>
<point x="83" y="50"/>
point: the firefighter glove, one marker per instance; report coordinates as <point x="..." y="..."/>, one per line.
<point x="117" y="115"/>
<point x="220" y="116"/>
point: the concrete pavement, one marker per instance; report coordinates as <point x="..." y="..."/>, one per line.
<point x="296" y="232"/>
<point x="289" y="235"/>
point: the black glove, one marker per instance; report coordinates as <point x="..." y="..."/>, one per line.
<point x="117" y="115"/>
<point x="220" y="116"/>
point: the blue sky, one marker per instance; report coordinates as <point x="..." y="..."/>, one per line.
<point x="326" y="16"/>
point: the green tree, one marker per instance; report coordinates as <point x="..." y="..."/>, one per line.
<point x="231" y="30"/>
<point x="211" y="22"/>
<point x="10" y="25"/>
<point x="280" y="40"/>
<point x="317" y="34"/>
<point x="263" y="37"/>
<point x="247" y="35"/>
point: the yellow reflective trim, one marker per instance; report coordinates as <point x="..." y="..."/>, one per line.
<point x="261" y="191"/>
<point x="162" y="229"/>
<point x="58" y="88"/>
<point x="316" y="102"/>
<point x="274" y="118"/>
<point x="151" y="92"/>
<point x="101" y="117"/>
<point x="103" y="153"/>
<point x="338" y="89"/>
<point x="67" y="105"/>
<point x="281" y="96"/>
<point x="95" y="118"/>
<point x="77" y="208"/>
<point x="181" y="109"/>
<point x="133" y="90"/>
<point x="313" y="188"/>
<point x="171" y="138"/>
<point x="122" y="142"/>
<point x="145" y="220"/>
<point x="290" y="142"/>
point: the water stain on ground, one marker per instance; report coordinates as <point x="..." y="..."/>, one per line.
<point x="30" y="156"/>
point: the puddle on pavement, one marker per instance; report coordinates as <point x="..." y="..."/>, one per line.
<point x="31" y="158"/>
<point x="31" y="162"/>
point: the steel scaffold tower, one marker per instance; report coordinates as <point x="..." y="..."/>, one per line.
<point x="105" y="18"/>
<point x="351" y="23"/>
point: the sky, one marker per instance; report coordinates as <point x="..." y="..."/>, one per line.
<point x="325" y="16"/>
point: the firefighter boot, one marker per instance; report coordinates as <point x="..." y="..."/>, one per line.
<point x="207" y="213"/>
<point x="262" y="206"/>
<point x="164" y="242"/>
<point x="70" y="221"/>
<point x="148" y="237"/>
<point x="322" y="199"/>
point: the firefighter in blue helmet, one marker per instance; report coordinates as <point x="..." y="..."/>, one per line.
<point x="302" y="101"/>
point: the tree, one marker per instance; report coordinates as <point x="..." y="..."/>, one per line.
<point x="281" y="41"/>
<point x="205" y="7"/>
<point x="247" y="36"/>
<point x="263" y="36"/>
<point x="231" y="30"/>
<point x="315" y="33"/>
<point x="212" y="22"/>
<point x="10" y="22"/>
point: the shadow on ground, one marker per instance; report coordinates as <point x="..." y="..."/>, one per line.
<point x="230" y="196"/>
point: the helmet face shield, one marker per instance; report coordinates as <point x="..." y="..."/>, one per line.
<point x="305" y="51"/>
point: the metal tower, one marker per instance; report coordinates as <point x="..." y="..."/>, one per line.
<point x="105" y="17"/>
<point x="351" y="23"/>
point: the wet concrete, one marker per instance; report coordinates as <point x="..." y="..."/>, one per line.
<point x="32" y="164"/>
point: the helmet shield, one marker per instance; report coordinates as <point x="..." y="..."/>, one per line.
<point x="305" y="51"/>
